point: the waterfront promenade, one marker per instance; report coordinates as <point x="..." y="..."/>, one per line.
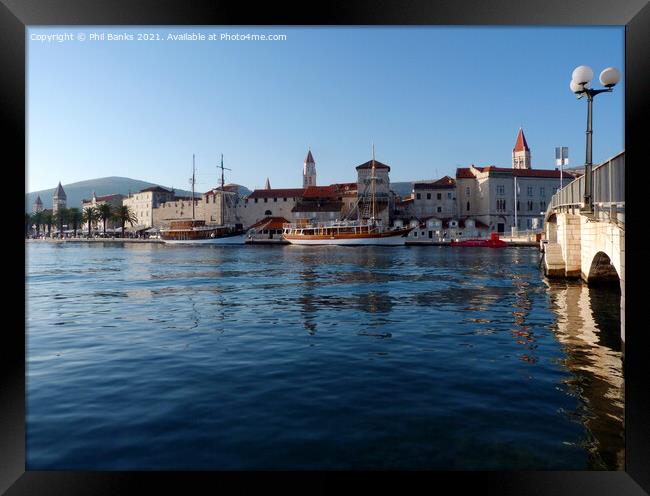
<point x="94" y="240"/>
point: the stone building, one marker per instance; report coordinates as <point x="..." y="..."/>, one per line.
<point x="144" y="202"/>
<point x="263" y="203"/>
<point x="488" y="194"/>
<point x="383" y="203"/>
<point x="38" y="205"/>
<point x="309" y="171"/>
<point x="435" y="198"/>
<point x="521" y="152"/>
<point x="59" y="199"/>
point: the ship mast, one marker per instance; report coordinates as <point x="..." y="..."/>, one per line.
<point x="372" y="178"/>
<point x="222" y="190"/>
<point x="193" y="180"/>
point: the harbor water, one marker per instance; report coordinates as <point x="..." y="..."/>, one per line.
<point x="155" y="357"/>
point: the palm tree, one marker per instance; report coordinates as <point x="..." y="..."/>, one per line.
<point x="105" y="212"/>
<point x="48" y="220"/>
<point x="74" y="217"/>
<point x="61" y="217"/>
<point x="124" y="214"/>
<point x="90" y="215"/>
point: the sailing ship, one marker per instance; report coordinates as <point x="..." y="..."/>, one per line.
<point x="361" y="231"/>
<point x="197" y="231"/>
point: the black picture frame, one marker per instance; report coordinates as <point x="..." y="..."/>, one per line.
<point x="16" y="15"/>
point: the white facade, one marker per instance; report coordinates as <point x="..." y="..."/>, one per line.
<point x="143" y="203"/>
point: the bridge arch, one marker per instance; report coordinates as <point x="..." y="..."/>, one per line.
<point x="602" y="270"/>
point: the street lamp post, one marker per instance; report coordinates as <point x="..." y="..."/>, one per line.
<point x="580" y="80"/>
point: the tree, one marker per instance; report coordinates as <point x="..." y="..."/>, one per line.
<point x="48" y="220"/>
<point x="28" y="223"/>
<point x="90" y="216"/>
<point x="61" y="217"/>
<point x="74" y="217"/>
<point x="105" y="212"/>
<point x="124" y="214"/>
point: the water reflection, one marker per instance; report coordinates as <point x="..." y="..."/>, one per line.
<point x="588" y="327"/>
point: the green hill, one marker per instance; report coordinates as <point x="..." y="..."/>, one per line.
<point x="103" y="186"/>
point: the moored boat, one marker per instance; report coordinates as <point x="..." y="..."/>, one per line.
<point x="344" y="233"/>
<point x="492" y="242"/>
<point x="363" y="231"/>
<point x="197" y="232"/>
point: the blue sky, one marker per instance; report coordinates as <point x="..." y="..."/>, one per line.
<point x="431" y="99"/>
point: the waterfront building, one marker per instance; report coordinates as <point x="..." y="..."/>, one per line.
<point x="435" y="230"/>
<point x="38" y="205"/>
<point x="487" y="194"/>
<point x="144" y="202"/>
<point x="309" y="171"/>
<point x="59" y="199"/>
<point x="270" y="202"/>
<point x="435" y="198"/>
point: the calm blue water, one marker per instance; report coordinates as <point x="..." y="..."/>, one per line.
<point x="283" y="357"/>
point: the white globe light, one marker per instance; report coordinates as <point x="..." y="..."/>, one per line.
<point x="582" y="74"/>
<point x="609" y="77"/>
<point x="575" y="87"/>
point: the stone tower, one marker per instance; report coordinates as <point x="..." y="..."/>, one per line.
<point x="59" y="199"/>
<point x="267" y="184"/>
<point x="521" y="152"/>
<point x="309" y="171"/>
<point x="38" y="205"/>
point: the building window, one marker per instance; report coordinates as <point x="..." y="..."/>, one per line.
<point x="530" y="206"/>
<point x="428" y="196"/>
<point x="268" y="212"/>
<point x="501" y="190"/>
<point x="518" y="206"/>
<point x="542" y="192"/>
<point x="439" y="209"/>
<point x="530" y="191"/>
<point x="448" y="196"/>
<point x="467" y="191"/>
<point x="275" y="199"/>
<point x="439" y="196"/>
<point x="528" y="223"/>
<point x="542" y="205"/>
<point x="255" y="200"/>
<point x="418" y="196"/>
<point x="266" y="200"/>
<point x="468" y="206"/>
<point x="284" y="199"/>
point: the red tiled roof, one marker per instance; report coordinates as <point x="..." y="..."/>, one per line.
<point x="279" y="193"/>
<point x="464" y="173"/>
<point x="368" y="165"/>
<point x="445" y="182"/>
<point x="319" y="192"/>
<point x="521" y="145"/>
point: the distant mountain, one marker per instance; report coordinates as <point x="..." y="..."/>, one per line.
<point x="76" y="192"/>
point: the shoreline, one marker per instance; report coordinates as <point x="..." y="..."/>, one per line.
<point x="511" y="243"/>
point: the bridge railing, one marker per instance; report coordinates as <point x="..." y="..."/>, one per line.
<point x="608" y="191"/>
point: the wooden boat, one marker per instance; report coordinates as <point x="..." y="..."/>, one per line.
<point x="347" y="232"/>
<point x="344" y="233"/>
<point x="493" y="242"/>
<point x="196" y="231"/>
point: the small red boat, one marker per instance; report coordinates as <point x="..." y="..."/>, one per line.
<point x="493" y="242"/>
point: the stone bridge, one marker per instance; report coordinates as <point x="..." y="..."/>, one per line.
<point x="590" y="244"/>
